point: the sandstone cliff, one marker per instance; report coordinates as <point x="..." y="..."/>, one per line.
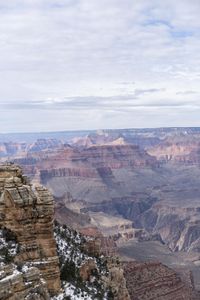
<point x="28" y="215"/>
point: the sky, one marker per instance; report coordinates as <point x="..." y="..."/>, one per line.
<point x="91" y="64"/>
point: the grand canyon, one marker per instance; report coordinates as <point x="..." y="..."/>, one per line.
<point x="136" y="190"/>
<point x="99" y="150"/>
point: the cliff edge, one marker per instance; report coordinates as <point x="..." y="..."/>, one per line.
<point x="26" y="219"/>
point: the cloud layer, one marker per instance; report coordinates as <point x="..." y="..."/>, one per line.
<point x="96" y="64"/>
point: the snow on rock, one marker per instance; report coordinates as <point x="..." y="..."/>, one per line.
<point x="72" y="259"/>
<point x="8" y="247"/>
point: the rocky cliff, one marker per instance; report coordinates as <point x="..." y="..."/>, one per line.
<point x="155" y="281"/>
<point x="181" y="149"/>
<point x="87" y="272"/>
<point x="40" y="261"/>
<point x="117" y="156"/>
<point x="28" y="215"/>
<point x="179" y="227"/>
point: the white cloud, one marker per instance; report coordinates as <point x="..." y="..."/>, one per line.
<point x="75" y="55"/>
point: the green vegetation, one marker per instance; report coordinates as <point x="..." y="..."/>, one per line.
<point x="6" y="257"/>
<point x="8" y="235"/>
<point x="68" y="271"/>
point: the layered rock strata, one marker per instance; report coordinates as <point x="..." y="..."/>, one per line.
<point x="117" y="281"/>
<point x="155" y="281"/>
<point x="29" y="215"/>
<point x="16" y="285"/>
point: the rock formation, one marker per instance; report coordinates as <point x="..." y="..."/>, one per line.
<point x="29" y="216"/>
<point x="28" y="285"/>
<point x="117" y="156"/>
<point x="117" y="281"/>
<point x="149" y="177"/>
<point x="179" y="227"/>
<point x="181" y="149"/>
<point x="155" y="281"/>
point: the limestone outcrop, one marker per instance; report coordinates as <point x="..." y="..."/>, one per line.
<point x="28" y="214"/>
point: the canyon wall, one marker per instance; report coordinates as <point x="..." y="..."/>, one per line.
<point x="155" y="281"/>
<point x="28" y="215"/>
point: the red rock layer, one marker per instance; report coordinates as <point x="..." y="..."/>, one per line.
<point x="154" y="281"/>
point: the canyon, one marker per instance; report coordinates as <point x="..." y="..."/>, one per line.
<point x="138" y="187"/>
<point x="40" y="259"/>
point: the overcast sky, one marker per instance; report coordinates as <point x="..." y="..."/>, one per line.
<point x="89" y="64"/>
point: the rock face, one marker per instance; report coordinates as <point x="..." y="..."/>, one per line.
<point x="15" y="285"/>
<point x="117" y="156"/>
<point x="29" y="215"/>
<point x="179" y="227"/>
<point x="154" y="281"/>
<point x="10" y="149"/>
<point x="91" y="162"/>
<point x="117" y="281"/>
<point x="87" y="269"/>
<point x="181" y="149"/>
<point x="44" y="144"/>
